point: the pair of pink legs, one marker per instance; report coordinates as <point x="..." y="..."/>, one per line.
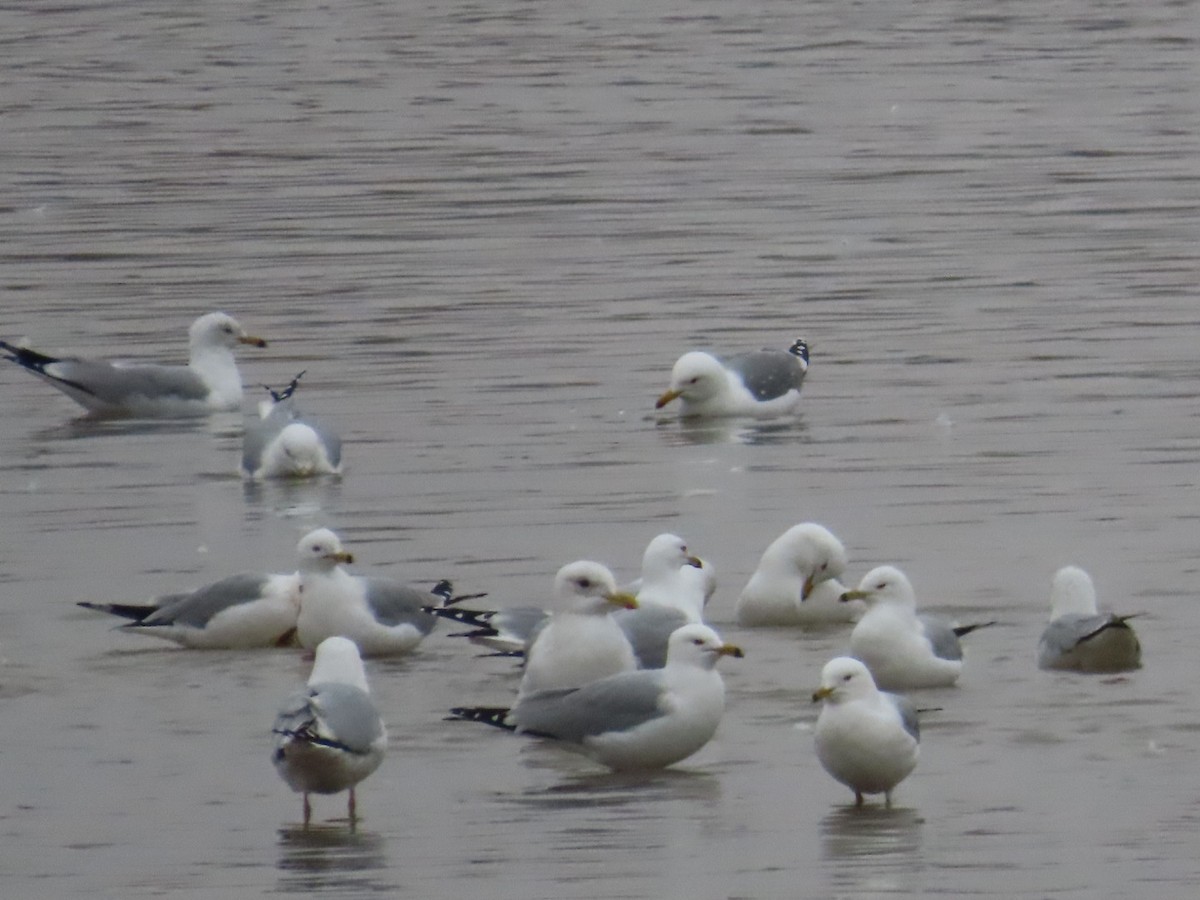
<point x="351" y="809"/>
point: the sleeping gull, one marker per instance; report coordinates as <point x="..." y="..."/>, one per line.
<point x="904" y="650"/>
<point x="210" y="380"/>
<point x="329" y="736"/>
<point x="237" y="612"/>
<point x="645" y="719"/>
<point x="1081" y="639"/>
<point x="796" y="582"/>
<point x="762" y="383"/>
<point x="866" y="739"/>
<point x="283" y="443"/>
<point x="380" y="615"/>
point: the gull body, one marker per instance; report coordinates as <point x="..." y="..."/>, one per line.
<point x="1079" y="637"/>
<point x="763" y="383"/>
<point x="210" y="381"/>
<point x="329" y="736"/>
<point x="866" y="739"/>
<point x="796" y="582"/>
<point x="283" y="443"/>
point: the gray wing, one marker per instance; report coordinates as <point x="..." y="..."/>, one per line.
<point x="648" y="629"/>
<point x="394" y="604"/>
<point x="617" y="703"/>
<point x="768" y="374"/>
<point x="942" y="637"/>
<point x="258" y="434"/>
<point x="118" y="384"/>
<point x="1067" y="632"/>
<point x="197" y="608"/>
<point x="331" y="713"/>
<point x="908" y="713"/>
<point x="329" y="439"/>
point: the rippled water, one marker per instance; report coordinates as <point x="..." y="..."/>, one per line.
<point x="486" y="231"/>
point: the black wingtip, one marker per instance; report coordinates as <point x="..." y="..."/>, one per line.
<point x="280" y="396"/>
<point x="474" y="617"/>
<point x="962" y="630"/>
<point x="800" y="349"/>
<point x="496" y="716"/>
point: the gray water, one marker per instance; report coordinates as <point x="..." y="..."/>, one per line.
<point x="486" y="230"/>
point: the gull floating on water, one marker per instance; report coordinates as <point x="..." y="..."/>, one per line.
<point x="238" y="612"/>
<point x="796" y="582"/>
<point x="381" y="615"/>
<point x="1081" y="639"/>
<point x="210" y="380"/>
<point x="283" y="443"/>
<point x="645" y="719"/>
<point x="866" y="739"/>
<point x="904" y="650"/>
<point x="762" y="383"/>
<point x="329" y="736"/>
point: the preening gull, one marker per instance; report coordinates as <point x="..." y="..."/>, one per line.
<point x="329" y="736"/>
<point x="210" y="380"/>
<point x="796" y="582"/>
<point x="645" y="719"/>
<point x="380" y="615"/>
<point x="866" y="739"/>
<point x="281" y="442"/>
<point x="238" y="612"/>
<point x="762" y="383"/>
<point x="1081" y="639"/>
<point x="904" y="650"/>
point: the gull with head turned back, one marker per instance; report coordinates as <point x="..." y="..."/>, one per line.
<point x="796" y="582"/>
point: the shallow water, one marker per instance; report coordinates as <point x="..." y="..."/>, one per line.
<point x="486" y="231"/>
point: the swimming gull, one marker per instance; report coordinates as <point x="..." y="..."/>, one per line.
<point x="1081" y="639"/>
<point x="238" y="612"/>
<point x="381" y="615"/>
<point x="645" y="719"/>
<point x="210" y="380"/>
<point x="762" y="383"/>
<point x="796" y="582"/>
<point x="329" y="736"/>
<point x="281" y="442"/>
<point x="866" y="739"/>
<point x="904" y="650"/>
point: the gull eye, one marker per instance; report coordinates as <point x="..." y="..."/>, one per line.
<point x="699" y="642"/>
<point x="848" y="676"/>
<point x="584" y="583"/>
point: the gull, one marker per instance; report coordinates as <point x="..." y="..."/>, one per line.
<point x="645" y="719"/>
<point x="762" y="383"/>
<point x="796" y="582"/>
<point x="650" y="626"/>
<point x="329" y="736"/>
<point x="579" y="642"/>
<point x="238" y="612"/>
<point x="904" y="650"/>
<point x="866" y="739"/>
<point x="283" y="443"/>
<point x="1081" y="639"/>
<point x="381" y="615"/>
<point x="210" y="380"/>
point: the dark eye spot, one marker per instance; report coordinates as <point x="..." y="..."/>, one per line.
<point x="584" y="583"/>
<point x="847" y="676"/>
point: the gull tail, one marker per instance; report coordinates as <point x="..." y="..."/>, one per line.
<point x="496" y="716"/>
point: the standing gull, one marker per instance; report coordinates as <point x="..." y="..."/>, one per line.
<point x="1081" y="639"/>
<point x="235" y="613"/>
<point x="380" y="615"/>
<point x="761" y="383"/>
<point x="210" y="380"/>
<point x="646" y="719"/>
<point x="796" y="582"/>
<point x="329" y="737"/>
<point x="866" y="739"/>
<point x="904" y="650"/>
<point x="283" y="443"/>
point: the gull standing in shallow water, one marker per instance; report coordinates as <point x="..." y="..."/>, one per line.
<point x="283" y="443"/>
<point x="210" y="381"/>
<point x="380" y="615"/>
<point x="796" y="582"/>
<point x="235" y="613"/>
<point x="762" y="383"/>
<point x="1081" y="639"/>
<point x="646" y="719"/>
<point x="866" y="739"/>
<point x="329" y="736"/>
<point x="903" y="650"/>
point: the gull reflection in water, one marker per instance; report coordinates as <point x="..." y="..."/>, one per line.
<point x="872" y="848"/>
<point x="321" y="857"/>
